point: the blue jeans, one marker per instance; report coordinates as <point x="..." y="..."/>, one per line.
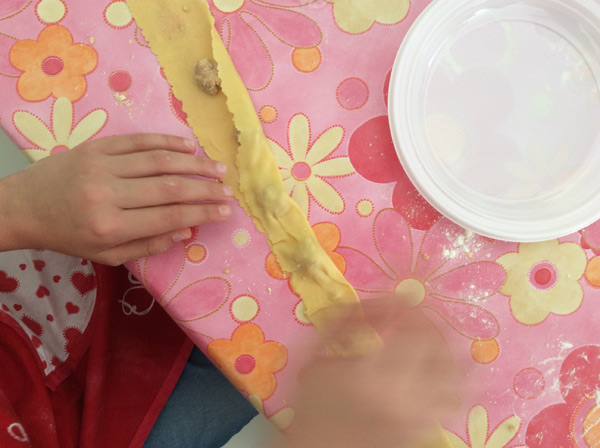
<point x="204" y="410"/>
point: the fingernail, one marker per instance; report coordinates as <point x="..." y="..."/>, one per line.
<point x="224" y="210"/>
<point x="227" y="190"/>
<point x="183" y="235"/>
<point x="221" y="168"/>
<point x="190" y="143"/>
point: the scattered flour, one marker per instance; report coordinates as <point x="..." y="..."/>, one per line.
<point x="461" y="244"/>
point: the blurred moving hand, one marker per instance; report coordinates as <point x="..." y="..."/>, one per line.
<point x="390" y="398"/>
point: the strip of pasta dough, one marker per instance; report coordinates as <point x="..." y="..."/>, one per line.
<point x="181" y="33"/>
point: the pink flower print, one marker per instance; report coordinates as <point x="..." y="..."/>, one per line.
<point x="188" y="300"/>
<point x="10" y="9"/>
<point x="6" y="68"/>
<point x="371" y="151"/>
<point x="185" y="307"/>
<point x="438" y="276"/>
<point x="575" y="422"/>
<point x="240" y="21"/>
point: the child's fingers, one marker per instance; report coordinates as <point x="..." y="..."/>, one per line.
<point x="160" y="161"/>
<point x="151" y="221"/>
<point x="164" y="190"/>
<point x="141" y="248"/>
<point x="131" y="143"/>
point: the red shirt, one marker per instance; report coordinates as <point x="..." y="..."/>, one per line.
<point x="117" y="373"/>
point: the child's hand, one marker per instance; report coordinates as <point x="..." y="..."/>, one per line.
<point x="385" y="399"/>
<point x="112" y="200"/>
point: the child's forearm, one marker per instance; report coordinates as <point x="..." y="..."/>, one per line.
<point x="12" y="231"/>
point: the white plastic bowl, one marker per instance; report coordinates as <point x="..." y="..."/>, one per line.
<point x="494" y="108"/>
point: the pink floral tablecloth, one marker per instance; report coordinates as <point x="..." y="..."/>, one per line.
<point x="524" y="314"/>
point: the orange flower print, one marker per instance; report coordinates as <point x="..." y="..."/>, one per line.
<point x="52" y="65"/>
<point x="249" y="361"/>
<point x="329" y="237"/>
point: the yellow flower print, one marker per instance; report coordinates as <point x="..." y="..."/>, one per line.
<point x="51" y="11"/>
<point x="357" y="16"/>
<point x="304" y="172"/>
<point x="543" y="278"/>
<point x="62" y="136"/>
<point x="282" y="419"/>
<point x="477" y="427"/>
